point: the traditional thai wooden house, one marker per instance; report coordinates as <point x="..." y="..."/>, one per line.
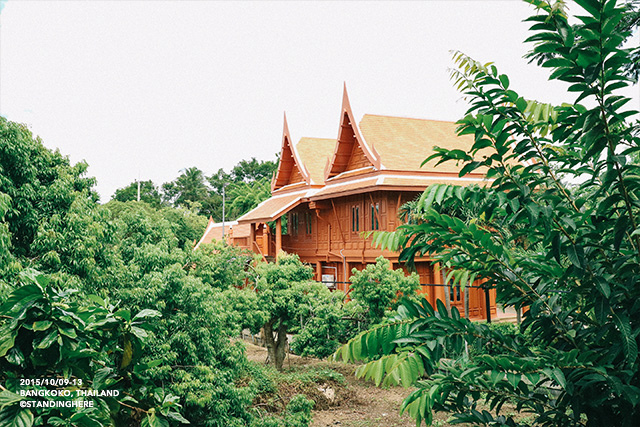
<point x="331" y="190"/>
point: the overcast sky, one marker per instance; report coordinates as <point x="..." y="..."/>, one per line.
<point x="143" y="89"/>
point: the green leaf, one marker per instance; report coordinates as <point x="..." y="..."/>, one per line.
<point x="147" y="313"/>
<point x="513" y="379"/>
<point x="48" y="339"/>
<point x="154" y="420"/>
<point x="176" y="416"/>
<point x="41" y="325"/>
<point x="521" y="104"/>
<point x="13" y="416"/>
<point x="8" y="398"/>
<point x="603" y="286"/>
<point x="7" y="341"/>
<point x="139" y="332"/>
<point x="556" y="375"/>
<point x="574" y="252"/>
<point x="591" y="6"/>
<point x="21" y="298"/>
<point x="68" y="331"/>
<point x="629" y="345"/>
<point x="97" y="300"/>
<point x="504" y="80"/>
<point x="123" y="314"/>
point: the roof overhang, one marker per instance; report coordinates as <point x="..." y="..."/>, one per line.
<point x="274" y="207"/>
<point x="390" y="182"/>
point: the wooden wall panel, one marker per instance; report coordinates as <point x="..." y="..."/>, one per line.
<point x="358" y="159"/>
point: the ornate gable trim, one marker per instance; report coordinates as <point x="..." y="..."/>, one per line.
<point x="290" y="166"/>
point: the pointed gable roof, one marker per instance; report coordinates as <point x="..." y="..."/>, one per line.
<point x="315" y="153"/>
<point x="290" y="169"/>
<point x="351" y="149"/>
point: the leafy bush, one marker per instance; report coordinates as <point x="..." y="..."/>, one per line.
<point x="220" y="265"/>
<point x="508" y="331"/>
<point x="47" y="334"/>
<point x="129" y="252"/>
<point x="570" y="253"/>
<point x="379" y="288"/>
<point x="324" y="328"/>
<point x="297" y="414"/>
<point x="329" y="322"/>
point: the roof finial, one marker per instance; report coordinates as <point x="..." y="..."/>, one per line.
<point x="345" y="98"/>
<point x="285" y="129"/>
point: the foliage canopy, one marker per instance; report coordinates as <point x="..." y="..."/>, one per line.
<point x="557" y="232"/>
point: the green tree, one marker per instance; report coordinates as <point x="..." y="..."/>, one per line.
<point x="379" y="288"/>
<point x="283" y="288"/>
<point x="148" y="193"/>
<point x="628" y="24"/>
<point x="6" y="257"/>
<point x="221" y="266"/>
<point x="248" y="184"/>
<point x="78" y="242"/>
<point x="253" y="170"/>
<point x="5" y="236"/>
<point x="186" y="224"/>
<point x="244" y="196"/>
<point x="39" y="182"/>
<point x="190" y="187"/>
<point x="246" y="171"/>
<point x="133" y="253"/>
<point x="570" y="253"/>
<point x="326" y="323"/>
<point x="192" y="338"/>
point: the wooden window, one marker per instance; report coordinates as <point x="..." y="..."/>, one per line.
<point x="307" y="222"/>
<point x="355" y="219"/>
<point x="293" y="223"/>
<point x="455" y="294"/>
<point x="375" y="212"/>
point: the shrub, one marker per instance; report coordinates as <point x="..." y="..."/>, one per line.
<point x="379" y="288"/>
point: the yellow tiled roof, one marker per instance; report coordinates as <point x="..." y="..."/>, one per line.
<point x="314" y="153"/>
<point x="404" y="143"/>
<point x="272" y="208"/>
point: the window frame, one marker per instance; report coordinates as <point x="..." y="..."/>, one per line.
<point x="355" y="218"/>
<point x="375" y="214"/>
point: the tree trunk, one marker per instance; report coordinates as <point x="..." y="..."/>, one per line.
<point x="276" y="343"/>
<point x="267" y="333"/>
<point x="466" y="301"/>
<point x="447" y="294"/>
<point x="281" y="346"/>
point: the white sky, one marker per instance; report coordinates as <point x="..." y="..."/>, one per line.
<point x="143" y="89"/>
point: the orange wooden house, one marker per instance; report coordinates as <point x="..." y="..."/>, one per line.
<point x="331" y="190"/>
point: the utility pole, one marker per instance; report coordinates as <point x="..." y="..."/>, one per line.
<point x="223" y="201"/>
<point x="138" y="189"/>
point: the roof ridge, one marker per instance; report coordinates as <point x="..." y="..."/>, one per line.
<point x="408" y="118"/>
<point x="316" y="138"/>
